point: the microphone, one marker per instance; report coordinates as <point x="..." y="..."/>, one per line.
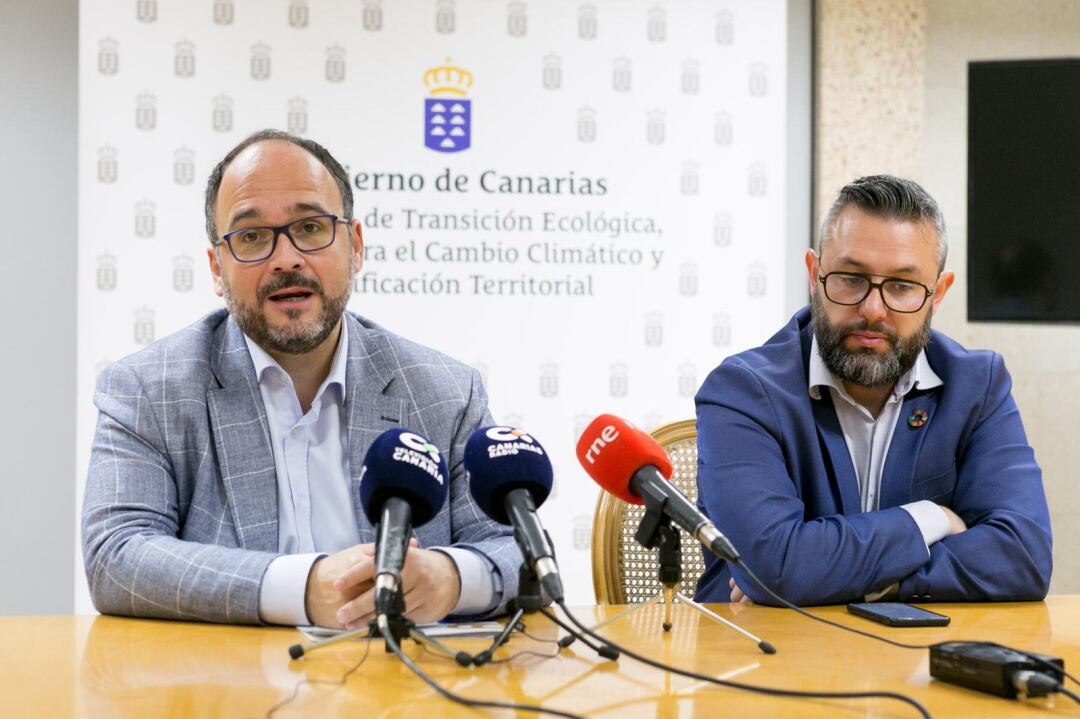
<point x="631" y="465"/>
<point x="402" y="485"/>
<point x="510" y="476"/>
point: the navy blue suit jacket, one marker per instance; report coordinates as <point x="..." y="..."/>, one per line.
<point x="775" y="475"/>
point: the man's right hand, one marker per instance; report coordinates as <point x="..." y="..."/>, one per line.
<point x="956" y="525"/>
<point x="322" y="599"/>
<point x="338" y="579"/>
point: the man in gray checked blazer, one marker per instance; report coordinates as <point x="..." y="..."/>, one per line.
<point x="225" y="468"/>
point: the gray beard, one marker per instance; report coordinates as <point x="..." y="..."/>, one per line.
<point x="252" y="320"/>
<point x="864" y="367"/>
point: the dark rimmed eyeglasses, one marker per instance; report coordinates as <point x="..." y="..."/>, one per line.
<point x="255" y="244"/>
<point x="851" y="288"/>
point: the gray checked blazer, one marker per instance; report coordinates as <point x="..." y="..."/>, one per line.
<point x="180" y="515"/>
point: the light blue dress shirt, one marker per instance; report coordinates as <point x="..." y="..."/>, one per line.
<point x="316" y="510"/>
<point x="868" y="439"/>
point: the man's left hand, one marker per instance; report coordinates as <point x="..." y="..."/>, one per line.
<point x="738" y="595"/>
<point x="429" y="580"/>
<point x="956" y="524"/>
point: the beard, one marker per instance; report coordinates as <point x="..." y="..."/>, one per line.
<point x="864" y="367"/>
<point x="292" y="338"/>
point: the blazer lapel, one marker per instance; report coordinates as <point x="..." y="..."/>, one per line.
<point x="833" y="444"/>
<point x="369" y="407"/>
<point x="832" y="437"/>
<point x="899" y="471"/>
<point x="242" y="438"/>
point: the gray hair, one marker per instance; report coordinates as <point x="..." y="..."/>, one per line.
<point x="213" y="184"/>
<point x="891" y="198"/>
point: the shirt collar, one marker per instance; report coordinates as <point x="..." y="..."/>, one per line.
<point x="266" y="366"/>
<point x="920" y="375"/>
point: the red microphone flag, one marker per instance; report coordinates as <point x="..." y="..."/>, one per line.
<point x="611" y="450"/>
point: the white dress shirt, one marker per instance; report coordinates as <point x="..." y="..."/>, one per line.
<point x="316" y="507"/>
<point x="868" y="438"/>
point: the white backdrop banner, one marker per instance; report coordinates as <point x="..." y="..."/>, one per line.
<point x="584" y="200"/>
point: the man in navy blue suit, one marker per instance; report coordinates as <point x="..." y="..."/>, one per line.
<point x="860" y="455"/>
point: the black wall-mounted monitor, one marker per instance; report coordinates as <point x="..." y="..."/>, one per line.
<point x="1023" y="234"/>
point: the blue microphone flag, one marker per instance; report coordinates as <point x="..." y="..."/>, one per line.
<point x="500" y="459"/>
<point x="401" y="463"/>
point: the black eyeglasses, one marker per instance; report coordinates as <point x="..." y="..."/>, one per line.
<point x="851" y="288"/>
<point x="255" y="244"/>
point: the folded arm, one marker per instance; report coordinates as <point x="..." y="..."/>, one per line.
<point x="1006" y="553"/>
<point x="745" y="486"/>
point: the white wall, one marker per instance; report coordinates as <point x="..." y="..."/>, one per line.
<point x="38" y="91"/>
<point x="39" y="58"/>
<point x="644" y="102"/>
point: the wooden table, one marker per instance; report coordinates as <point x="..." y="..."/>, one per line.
<point x="109" y="666"/>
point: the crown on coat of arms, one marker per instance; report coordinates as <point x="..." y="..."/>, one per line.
<point x="448" y="79"/>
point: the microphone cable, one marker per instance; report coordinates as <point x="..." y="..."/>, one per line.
<point x="435" y="648"/>
<point x="789" y="605"/>
<point x="384" y="627"/>
<point x="903" y="645"/>
<point x="335" y="682"/>
<point x="607" y="650"/>
<point x="505" y="660"/>
<point x="1072" y="695"/>
<point x="768" y="691"/>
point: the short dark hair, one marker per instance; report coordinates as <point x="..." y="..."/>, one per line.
<point x="213" y="184"/>
<point x="888" y="197"/>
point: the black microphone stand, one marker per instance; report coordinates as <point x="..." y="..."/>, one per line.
<point x="529" y="600"/>
<point x="656" y="532"/>
<point x="397" y="625"/>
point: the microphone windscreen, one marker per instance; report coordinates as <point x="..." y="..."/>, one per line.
<point x="501" y="459"/>
<point x="403" y="464"/>
<point x="611" y="450"/>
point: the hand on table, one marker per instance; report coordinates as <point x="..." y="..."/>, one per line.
<point x="323" y="597"/>
<point x="344" y="594"/>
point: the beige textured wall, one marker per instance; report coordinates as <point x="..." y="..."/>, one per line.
<point x="868" y="81"/>
<point x="892" y="97"/>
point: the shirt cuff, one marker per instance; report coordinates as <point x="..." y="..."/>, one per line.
<point x="284" y="587"/>
<point x="932" y="522"/>
<point x="477" y="583"/>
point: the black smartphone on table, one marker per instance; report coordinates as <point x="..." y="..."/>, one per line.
<point x="897" y="614"/>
